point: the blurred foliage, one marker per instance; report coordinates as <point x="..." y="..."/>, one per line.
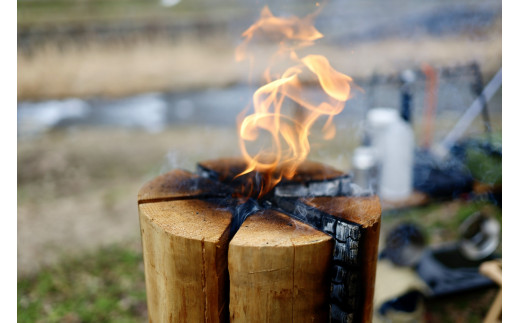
<point x="485" y="166"/>
<point x="440" y="221"/>
<point x="63" y="11"/>
<point x="105" y="286"/>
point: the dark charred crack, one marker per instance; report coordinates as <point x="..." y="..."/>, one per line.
<point x="179" y="198"/>
<point x="293" y="266"/>
<point x="241" y="212"/>
<point x="204" y="291"/>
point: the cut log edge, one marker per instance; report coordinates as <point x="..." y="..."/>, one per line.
<point x="180" y="184"/>
<point x="362" y="210"/>
<point x="162" y="216"/>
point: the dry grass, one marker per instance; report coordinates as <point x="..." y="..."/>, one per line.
<point x="122" y="69"/>
<point x="93" y="69"/>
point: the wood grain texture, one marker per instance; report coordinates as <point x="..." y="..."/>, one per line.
<point x="369" y="250"/>
<point x="278" y="270"/>
<point x="185" y="256"/>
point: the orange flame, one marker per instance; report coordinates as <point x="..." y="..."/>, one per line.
<point x="299" y="30"/>
<point x="289" y="143"/>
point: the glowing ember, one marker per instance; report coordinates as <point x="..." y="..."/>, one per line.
<point x="280" y="141"/>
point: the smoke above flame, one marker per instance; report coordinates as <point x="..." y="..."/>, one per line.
<point x="274" y="141"/>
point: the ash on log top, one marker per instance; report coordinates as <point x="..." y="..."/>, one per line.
<point x="306" y="251"/>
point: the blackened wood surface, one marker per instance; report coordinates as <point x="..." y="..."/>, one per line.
<point x="354" y="223"/>
<point x="308" y="174"/>
<point x="226" y="169"/>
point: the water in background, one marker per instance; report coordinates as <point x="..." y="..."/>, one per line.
<point x="154" y="112"/>
<point x="342" y="21"/>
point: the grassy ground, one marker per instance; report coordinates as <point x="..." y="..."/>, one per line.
<point x="440" y="220"/>
<point x="105" y="286"/>
<point x="468" y="307"/>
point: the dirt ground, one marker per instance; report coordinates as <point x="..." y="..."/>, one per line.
<point x="78" y="191"/>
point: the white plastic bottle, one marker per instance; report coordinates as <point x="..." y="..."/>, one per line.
<point x="393" y="140"/>
<point x="396" y="178"/>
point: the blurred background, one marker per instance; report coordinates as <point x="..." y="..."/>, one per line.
<point x="113" y="93"/>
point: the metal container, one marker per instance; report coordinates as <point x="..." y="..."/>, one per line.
<point x="364" y="168"/>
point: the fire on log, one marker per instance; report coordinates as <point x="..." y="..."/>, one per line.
<point x="311" y="179"/>
<point x="306" y="251"/>
<point x="269" y="236"/>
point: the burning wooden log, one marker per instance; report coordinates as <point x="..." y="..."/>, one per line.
<point x="306" y="251"/>
<point x="287" y="234"/>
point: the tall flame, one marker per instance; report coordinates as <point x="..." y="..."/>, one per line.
<point x="289" y="143"/>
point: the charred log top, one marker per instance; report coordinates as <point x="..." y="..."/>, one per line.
<point x="226" y="169"/>
<point x="311" y="178"/>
